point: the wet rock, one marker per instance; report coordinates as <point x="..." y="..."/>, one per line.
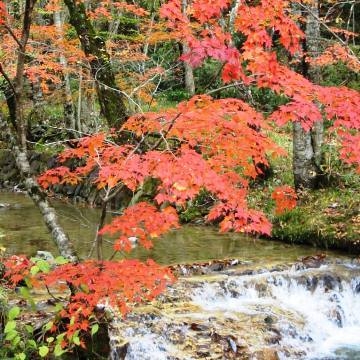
<point x="118" y="349"/>
<point x="198" y="327"/>
<point x="203" y="350"/>
<point x="269" y="320"/>
<point x="266" y="354"/>
<point x="45" y="255"/>
<point x="313" y="261"/>
<point x="330" y="282"/>
<point x="273" y="336"/>
<point x="205" y="267"/>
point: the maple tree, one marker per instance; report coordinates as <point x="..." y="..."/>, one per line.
<point x="256" y="62"/>
<point x="204" y="144"/>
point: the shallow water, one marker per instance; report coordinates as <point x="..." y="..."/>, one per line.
<point x="23" y="232"/>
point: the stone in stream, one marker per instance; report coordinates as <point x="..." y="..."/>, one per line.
<point x="4" y="206"/>
<point x="45" y="255"/>
<point x="266" y="354"/>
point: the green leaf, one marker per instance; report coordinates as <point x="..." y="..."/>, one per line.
<point x="48" y="326"/>
<point x="94" y="329"/>
<point x="32" y="344"/>
<point x="43" y="265"/>
<point x="58" y="351"/>
<point x="43" y="351"/>
<point x="11" y="335"/>
<point x="50" y="339"/>
<point x="60" y="337"/>
<point x="15" y="341"/>
<point x="34" y="270"/>
<point x="76" y="340"/>
<point x="29" y="329"/>
<point x="58" y="307"/>
<point x="10" y="325"/>
<point x="20" y="356"/>
<point x="28" y="282"/>
<point x="13" y="312"/>
<point x="24" y="291"/>
<point x="60" y="260"/>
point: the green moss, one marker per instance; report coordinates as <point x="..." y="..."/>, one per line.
<point x="328" y="218"/>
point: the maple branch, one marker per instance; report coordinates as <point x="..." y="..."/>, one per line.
<point x="13" y="36"/>
<point x="3" y="73"/>
<point x="237" y="83"/>
<point x="118" y="91"/>
<point x="163" y="135"/>
<point x="329" y="29"/>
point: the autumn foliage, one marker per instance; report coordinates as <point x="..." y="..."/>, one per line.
<point x="95" y="285"/>
<point x="204" y="144"/>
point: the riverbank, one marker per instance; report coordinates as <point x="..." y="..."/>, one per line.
<point x="328" y="218"/>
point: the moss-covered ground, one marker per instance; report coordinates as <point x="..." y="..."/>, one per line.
<point x="328" y="217"/>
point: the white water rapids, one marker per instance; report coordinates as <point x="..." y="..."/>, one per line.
<point x="318" y="314"/>
<point x="308" y="314"/>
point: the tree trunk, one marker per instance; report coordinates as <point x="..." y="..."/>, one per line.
<point x="69" y="109"/>
<point x="48" y="213"/>
<point x="19" y="145"/>
<point x="111" y="99"/>
<point x="188" y="70"/>
<point x="304" y="167"/>
<point x="307" y="156"/>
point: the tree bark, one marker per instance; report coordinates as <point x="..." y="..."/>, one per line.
<point x="111" y="100"/>
<point x="69" y="109"/>
<point x="304" y="167"/>
<point x="307" y="155"/>
<point x="188" y="70"/>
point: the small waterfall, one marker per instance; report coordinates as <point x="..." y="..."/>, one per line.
<point x="315" y="311"/>
<point x="290" y="314"/>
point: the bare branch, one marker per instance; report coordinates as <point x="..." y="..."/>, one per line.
<point x="6" y="77"/>
<point x="13" y="36"/>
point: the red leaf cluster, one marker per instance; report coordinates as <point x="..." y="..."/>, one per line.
<point x="285" y="199"/>
<point x="116" y="283"/>
<point x="141" y="222"/>
<point x="3" y="13"/>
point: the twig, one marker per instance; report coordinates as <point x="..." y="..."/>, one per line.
<point x="14" y="36"/>
<point x="3" y="73"/>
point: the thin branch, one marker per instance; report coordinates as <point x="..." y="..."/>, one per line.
<point x="329" y="29"/>
<point x="163" y="135"/>
<point x="3" y="73"/>
<point x="237" y="83"/>
<point x="13" y="36"/>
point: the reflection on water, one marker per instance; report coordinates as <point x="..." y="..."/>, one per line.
<point x="22" y="231"/>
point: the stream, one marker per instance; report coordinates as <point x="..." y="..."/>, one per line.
<point x="291" y="313"/>
<point x="266" y="305"/>
<point x="22" y="232"/>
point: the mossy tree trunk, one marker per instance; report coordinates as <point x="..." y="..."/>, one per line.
<point x="111" y="100"/>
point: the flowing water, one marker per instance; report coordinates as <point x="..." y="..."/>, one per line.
<point x="288" y="314"/>
<point x="263" y="308"/>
